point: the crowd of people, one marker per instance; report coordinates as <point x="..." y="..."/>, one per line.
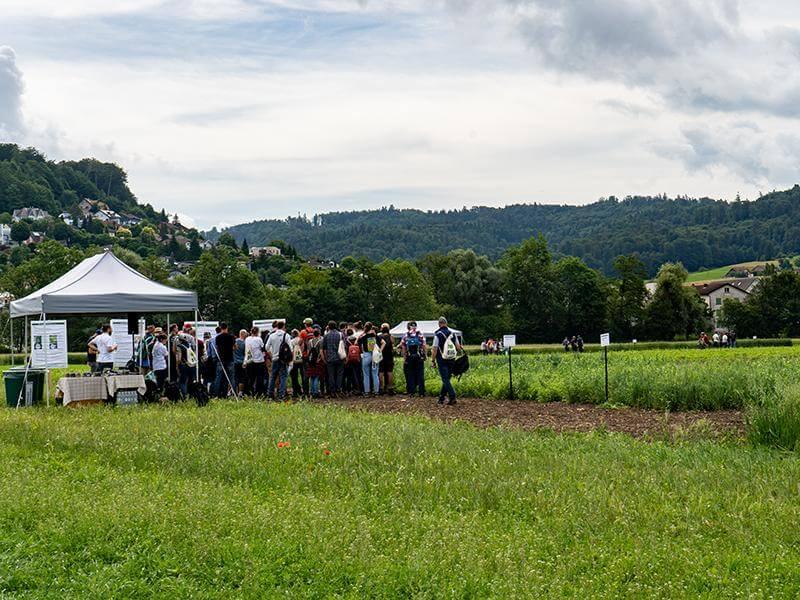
<point x="314" y="361"/>
<point x="491" y="346"/>
<point x="725" y="339"/>
<point x="572" y="344"/>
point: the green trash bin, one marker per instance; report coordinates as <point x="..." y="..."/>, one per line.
<point x="34" y="386"/>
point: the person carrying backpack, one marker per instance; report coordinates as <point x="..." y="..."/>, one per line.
<point x="333" y="345"/>
<point x="414" y="351"/>
<point x="280" y="351"/>
<point x="352" y="364"/>
<point x="371" y="355"/>
<point x="187" y="361"/>
<point x="445" y="350"/>
<point x="315" y="362"/>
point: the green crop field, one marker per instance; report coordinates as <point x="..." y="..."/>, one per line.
<point x="188" y="502"/>
<point x="662" y="379"/>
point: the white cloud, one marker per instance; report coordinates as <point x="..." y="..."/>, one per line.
<point x="11" y="87"/>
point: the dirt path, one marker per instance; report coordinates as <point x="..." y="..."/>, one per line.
<point x="559" y="416"/>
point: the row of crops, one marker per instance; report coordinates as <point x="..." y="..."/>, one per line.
<point x="661" y="379"/>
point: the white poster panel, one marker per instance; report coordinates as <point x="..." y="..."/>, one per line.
<point x="605" y="339"/>
<point x="203" y="327"/>
<point x="509" y="341"/>
<point x="266" y="324"/>
<point x="123" y="340"/>
<point x="49" y="344"/>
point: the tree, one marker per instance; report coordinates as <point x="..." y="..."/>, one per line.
<point x="582" y="293"/>
<point x="226" y="289"/>
<point x="628" y="302"/>
<point x="406" y="293"/>
<point x="226" y="239"/>
<point x="675" y="310"/>
<point x="772" y="310"/>
<point x="531" y="289"/>
<point x="49" y="261"/>
<point x="20" y="231"/>
<point x="245" y="247"/>
<point x="154" y="268"/>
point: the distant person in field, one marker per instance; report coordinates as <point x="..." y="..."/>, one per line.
<point x="225" y="380"/>
<point x="369" y="368"/>
<point x="334" y="364"/>
<point x="238" y="362"/>
<point x="445" y="350"/>
<point x="732" y="339"/>
<point x="565" y="342"/>
<point x="724" y="340"/>
<point x="414" y="351"/>
<point x="105" y="347"/>
<point x="280" y="352"/>
<point x="352" y="366"/>
<point x="160" y="353"/>
<point x="715" y="339"/>
<point x="254" y="363"/>
<point x="573" y="344"/>
<point x="579" y="342"/>
<point x="386" y="369"/>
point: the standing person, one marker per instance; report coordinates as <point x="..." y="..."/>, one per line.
<point x="445" y="350"/>
<point x="238" y="362"/>
<point x="579" y="341"/>
<point x="386" y="367"/>
<point x="369" y="368"/>
<point x="297" y="364"/>
<point x="256" y="368"/>
<point x="280" y="352"/>
<point x="352" y="365"/>
<point x="334" y="362"/>
<point x="414" y="351"/>
<point x="207" y="354"/>
<point x="565" y="343"/>
<point x="315" y="362"/>
<point x="173" y="351"/>
<point x="159" y="354"/>
<point x="187" y="360"/>
<point x="225" y="380"/>
<point x="715" y="338"/>
<point x="105" y="347"/>
<point x="484" y="348"/>
<point x="305" y="335"/>
<point x="732" y="339"/>
<point x="724" y="340"/>
<point x="91" y="351"/>
<point x="144" y="350"/>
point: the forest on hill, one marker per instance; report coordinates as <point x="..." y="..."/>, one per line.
<point x="699" y="233"/>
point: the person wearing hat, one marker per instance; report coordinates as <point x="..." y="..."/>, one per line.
<point x="414" y="351"/>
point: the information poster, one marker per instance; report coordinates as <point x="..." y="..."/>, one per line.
<point x="266" y="324"/>
<point x="123" y="340"/>
<point x="204" y="327"/>
<point x="49" y="344"/>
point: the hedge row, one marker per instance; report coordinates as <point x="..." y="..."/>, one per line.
<point x="550" y="348"/>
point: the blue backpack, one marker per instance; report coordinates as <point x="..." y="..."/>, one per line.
<point x="414" y="347"/>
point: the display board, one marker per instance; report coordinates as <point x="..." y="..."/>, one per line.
<point x="49" y="344"/>
<point x="509" y="341"/>
<point x="266" y="324"/>
<point x="123" y="340"/>
<point x="203" y="327"/>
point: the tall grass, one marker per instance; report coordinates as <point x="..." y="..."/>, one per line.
<point x="775" y="421"/>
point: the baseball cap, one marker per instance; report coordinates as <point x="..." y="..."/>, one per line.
<point x="308" y="321"/>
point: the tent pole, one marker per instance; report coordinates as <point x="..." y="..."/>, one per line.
<point x="169" y="353"/>
<point x="11" y="325"/>
<point x="46" y="346"/>
<point x="197" y="349"/>
<point x="26" y="335"/>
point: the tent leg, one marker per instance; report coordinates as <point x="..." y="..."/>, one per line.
<point x="11" y="325"/>
<point x="46" y="345"/>
<point x="26" y="336"/>
<point x="169" y="352"/>
<point x="197" y="348"/>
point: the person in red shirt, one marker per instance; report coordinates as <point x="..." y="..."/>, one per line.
<point x="306" y="334"/>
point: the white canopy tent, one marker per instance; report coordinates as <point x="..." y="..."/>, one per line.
<point x="427" y="328"/>
<point x="102" y="284"/>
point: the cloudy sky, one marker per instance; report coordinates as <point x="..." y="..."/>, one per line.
<point x="232" y="110"/>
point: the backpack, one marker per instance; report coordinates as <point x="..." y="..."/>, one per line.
<point x="199" y="392"/>
<point x="353" y="353"/>
<point x="191" y="356"/>
<point x="297" y="353"/>
<point x="172" y="391"/>
<point x="449" y="352"/>
<point x="313" y="351"/>
<point x="285" y="354"/>
<point x="460" y="366"/>
<point x="413" y="348"/>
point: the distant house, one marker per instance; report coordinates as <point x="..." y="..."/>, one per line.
<point x="106" y="215"/>
<point x="714" y="293"/>
<point x="36" y="214"/>
<point x="257" y="251"/>
<point x="36" y="237"/>
<point x="206" y="245"/>
<point x="86" y="207"/>
<point x="322" y="265"/>
<point x="67" y="218"/>
<point x="130" y="220"/>
<point x="743" y="271"/>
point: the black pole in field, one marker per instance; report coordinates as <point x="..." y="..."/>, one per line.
<point x="605" y="355"/>
<point x="510" y="377"/>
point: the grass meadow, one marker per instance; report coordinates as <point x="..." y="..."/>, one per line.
<point x="254" y="500"/>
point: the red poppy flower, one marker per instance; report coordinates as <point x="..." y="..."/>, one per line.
<point x="327" y="452"/>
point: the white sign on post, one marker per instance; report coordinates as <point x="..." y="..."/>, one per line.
<point x="266" y="324"/>
<point x="509" y="341"/>
<point x="123" y="340"/>
<point x="605" y="339"/>
<point x="203" y="327"/>
<point x="49" y="348"/>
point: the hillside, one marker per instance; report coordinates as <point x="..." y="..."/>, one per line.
<point x="701" y="233"/>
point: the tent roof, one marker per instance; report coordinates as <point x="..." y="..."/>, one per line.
<point x="427" y="328"/>
<point x="103" y="284"/>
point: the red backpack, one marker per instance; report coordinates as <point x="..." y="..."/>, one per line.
<point x="354" y="353"/>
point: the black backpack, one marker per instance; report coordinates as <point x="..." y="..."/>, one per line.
<point x="313" y="351"/>
<point x="172" y="391"/>
<point x="460" y="366"/>
<point x="285" y="354"/>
